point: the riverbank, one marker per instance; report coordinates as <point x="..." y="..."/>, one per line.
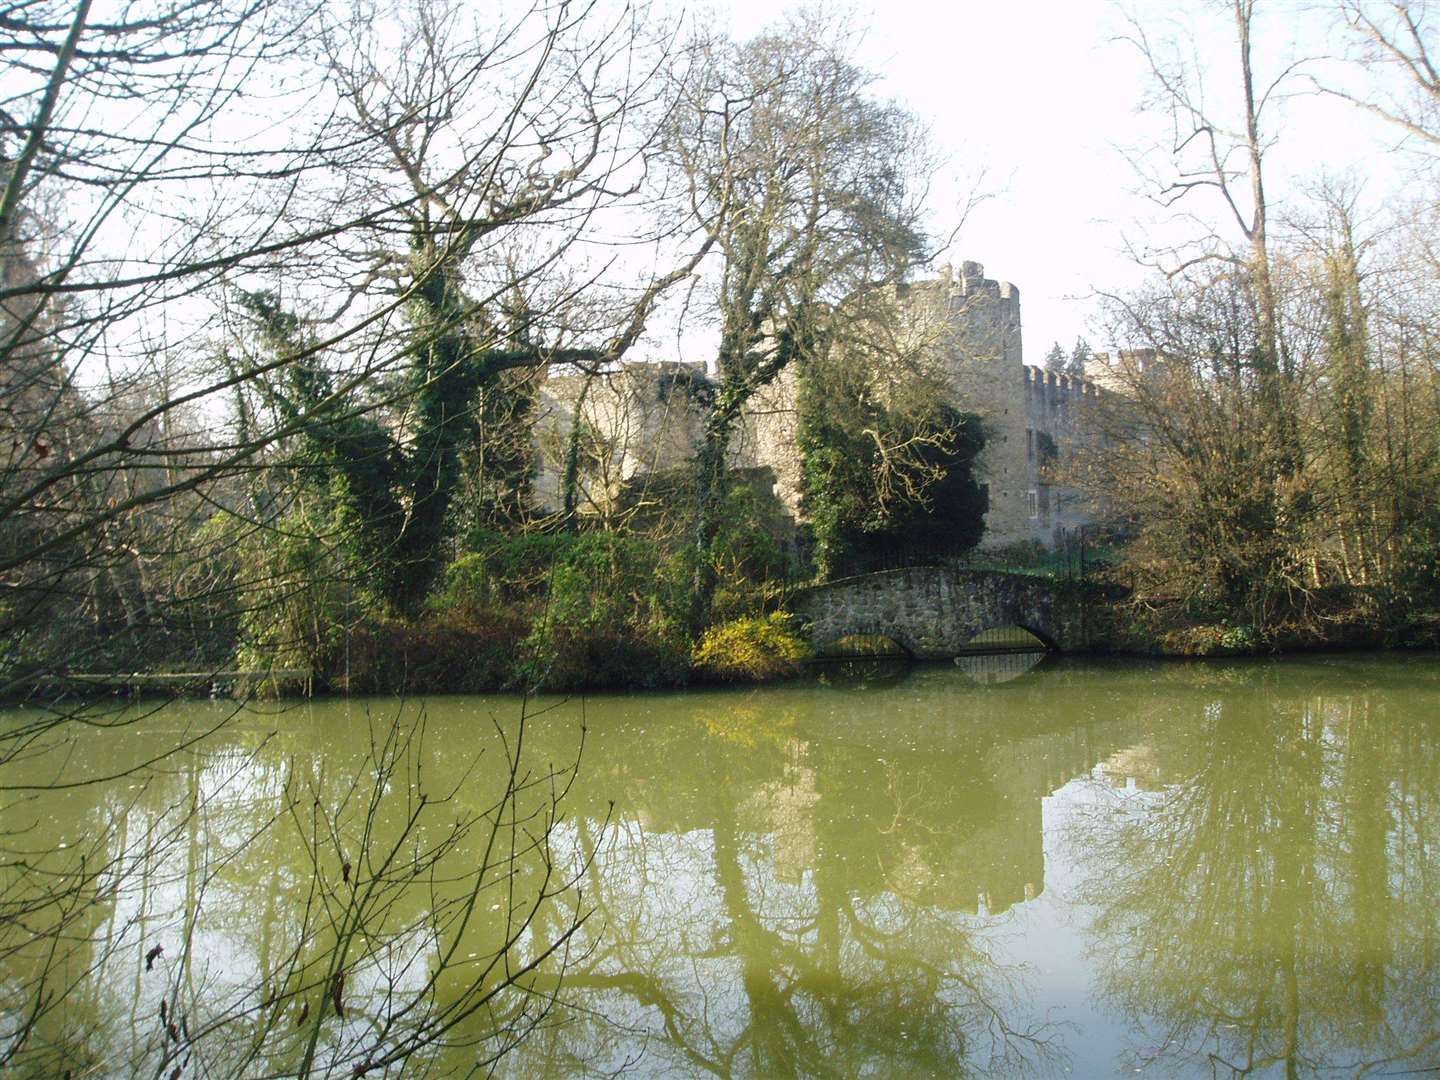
<point x="747" y="652"/>
<point x="605" y="618"/>
<point x="1168" y="630"/>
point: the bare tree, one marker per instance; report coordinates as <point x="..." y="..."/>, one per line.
<point x="808" y="189"/>
<point x="1213" y="392"/>
<point x="157" y="160"/>
<point x="1221" y="153"/>
<point x="1397" y="36"/>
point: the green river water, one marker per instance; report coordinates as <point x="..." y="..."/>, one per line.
<point x="1094" y="869"/>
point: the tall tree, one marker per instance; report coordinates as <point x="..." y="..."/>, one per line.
<point x="487" y="153"/>
<point x="1202" y="155"/>
<point x="1221" y="412"/>
<point x="806" y="187"/>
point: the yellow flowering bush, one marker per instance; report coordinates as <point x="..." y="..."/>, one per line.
<point x="752" y="649"/>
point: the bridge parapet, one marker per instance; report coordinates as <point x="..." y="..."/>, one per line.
<point x="934" y="611"/>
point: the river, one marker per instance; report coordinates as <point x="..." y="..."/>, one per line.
<point x="1094" y="869"/>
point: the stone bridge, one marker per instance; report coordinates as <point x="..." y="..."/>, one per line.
<point x="934" y="612"/>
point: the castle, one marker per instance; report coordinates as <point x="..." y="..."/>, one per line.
<point x="639" y="420"/>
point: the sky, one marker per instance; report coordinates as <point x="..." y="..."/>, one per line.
<point x="1040" y="104"/>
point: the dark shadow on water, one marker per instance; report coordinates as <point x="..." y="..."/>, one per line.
<point x="851" y="673"/>
<point x="987" y="670"/>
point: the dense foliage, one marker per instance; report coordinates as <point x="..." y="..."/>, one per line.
<point x="750" y="649"/>
<point x="883" y="483"/>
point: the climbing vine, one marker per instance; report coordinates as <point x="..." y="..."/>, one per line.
<point x="882" y="481"/>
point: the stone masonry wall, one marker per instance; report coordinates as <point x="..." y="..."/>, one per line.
<point x="934" y="612"/>
<point x="1056" y="427"/>
<point x="984" y="345"/>
<point x="643" y="413"/>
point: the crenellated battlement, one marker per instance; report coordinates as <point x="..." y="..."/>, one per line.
<point x="1038" y="381"/>
<point x="970" y="283"/>
<point x="965" y="323"/>
<point x="962" y="288"/>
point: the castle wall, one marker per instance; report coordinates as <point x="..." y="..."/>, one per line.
<point x="1055" y="428"/>
<point x="640" y="421"/>
<point x="643" y="416"/>
<point x="767" y="438"/>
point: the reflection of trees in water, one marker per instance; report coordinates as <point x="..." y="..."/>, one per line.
<point x="1275" y="909"/>
<point x="279" y="901"/>
<point x="109" y="867"/>
<point x="861" y="673"/>
<point x="796" y="923"/>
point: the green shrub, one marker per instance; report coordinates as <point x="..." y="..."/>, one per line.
<point x="298" y="596"/>
<point x="603" y="657"/>
<point x="747" y="548"/>
<point x="514" y="569"/>
<point x="454" y="652"/>
<point x="613" y="617"/>
<point x="752" y="649"/>
<point x="1211" y="639"/>
<point x="498" y="568"/>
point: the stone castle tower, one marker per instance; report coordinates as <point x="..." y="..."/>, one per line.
<point x="973" y="322"/>
<point x="979" y="323"/>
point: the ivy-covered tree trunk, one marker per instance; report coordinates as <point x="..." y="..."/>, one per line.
<point x="1348" y="365"/>
<point x="835" y="472"/>
<point x="389" y="502"/>
<point x="443" y="376"/>
<point x="570" y="483"/>
<point x="711" y="486"/>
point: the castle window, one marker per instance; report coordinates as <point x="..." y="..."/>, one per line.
<point x="1029" y="444"/>
<point x="1046" y="449"/>
<point x="1032" y="501"/>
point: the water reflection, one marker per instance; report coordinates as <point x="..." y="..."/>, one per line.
<point x="211" y="904"/>
<point x="862" y="673"/>
<point x="1207" y="870"/>
<point x="1273" y="907"/>
<point x="766" y="928"/>
<point x="995" y="669"/>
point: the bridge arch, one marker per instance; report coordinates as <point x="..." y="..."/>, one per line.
<point x="896" y="637"/>
<point x="1013" y="636"/>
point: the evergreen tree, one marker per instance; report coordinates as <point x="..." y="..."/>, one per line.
<point x="1055" y="359"/>
<point x="1079" y="357"/>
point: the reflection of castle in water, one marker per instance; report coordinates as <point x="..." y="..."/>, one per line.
<point x="952" y="823"/>
<point x="806" y="875"/>
<point x="784" y="809"/>
<point x="1135" y="768"/>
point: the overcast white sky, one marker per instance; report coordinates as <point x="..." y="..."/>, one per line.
<point x="1044" y="97"/>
